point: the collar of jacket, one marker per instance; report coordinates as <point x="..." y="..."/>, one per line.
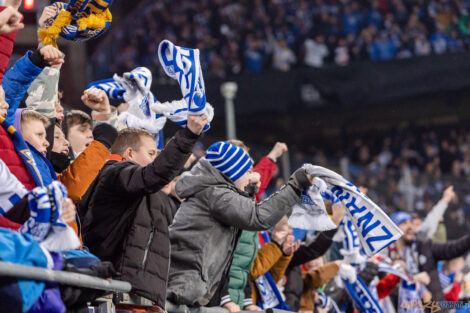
<point x="116" y="157"/>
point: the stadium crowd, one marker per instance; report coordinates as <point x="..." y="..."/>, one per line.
<point x="253" y="36"/>
<point x="95" y="194"/>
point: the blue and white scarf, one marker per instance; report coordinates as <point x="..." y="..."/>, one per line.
<point x="409" y="292"/>
<point x="326" y="302"/>
<point x="270" y="297"/>
<point x="361" y="296"/>
<point x="310" y="213"/>
<point x="177" y="112"/>
<point x="45" y="224"/>
<point x="375" y="229"/>
<point x="11" y="190"/>
<point x="183" y="65"/>
<point x="134" y="88"/>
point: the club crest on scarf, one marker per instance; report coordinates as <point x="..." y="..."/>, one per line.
<point x="182" y="64"/>
<point x="78" y="20"/>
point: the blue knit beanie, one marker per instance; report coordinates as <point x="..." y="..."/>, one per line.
<point x="231" y="160"/>
<point x="400" y="217"/>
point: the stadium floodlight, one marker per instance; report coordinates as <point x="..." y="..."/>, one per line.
<point x="229" y="92"/>
<point x="29" y="4"/>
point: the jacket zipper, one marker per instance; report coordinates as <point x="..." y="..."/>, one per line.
<point x="149" y="242"/>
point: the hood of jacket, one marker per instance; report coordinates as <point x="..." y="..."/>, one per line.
<point x="201" y="176"/>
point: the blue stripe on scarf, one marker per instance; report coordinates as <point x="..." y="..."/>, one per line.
<point x="362" y="299"/>
<point x="272" y="284"/>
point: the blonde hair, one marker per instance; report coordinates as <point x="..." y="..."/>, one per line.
<point x="129" y="138"/>
<point x="30" y="115"/>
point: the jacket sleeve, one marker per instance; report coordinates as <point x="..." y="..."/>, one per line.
<point x="81" y="173"/>
<point x="317" y="278"/>
<point x="386" y="285"/>
<point x="314" y="250"/>
<point x="153" y="177"/>
<point x="248" y="293"/>
<point x="42" y="94"/>
<point x="230" y="208"/>
<point x="429" y="226"/>
<point x="267" y="256"/>
<point x="450" y="249"/>
<point x="453" y="294"/>
<point x="17" y="81"/>
<point x="6" y="48"/>
<point x="279" y="269"/>
<point x="266" y="169"/>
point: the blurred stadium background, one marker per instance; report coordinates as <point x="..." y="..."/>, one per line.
<point x="379" y="90"/>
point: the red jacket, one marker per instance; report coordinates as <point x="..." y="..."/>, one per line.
<point x="6" y="223"/>
<point x="266" y="169"/>
<point x="14" y="162"/>
<point x="6" y="48"/>
<point x="386" y="285"/>
<point x="453" y="294"/>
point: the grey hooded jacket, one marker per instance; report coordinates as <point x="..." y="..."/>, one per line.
<point x="205" y="230"/>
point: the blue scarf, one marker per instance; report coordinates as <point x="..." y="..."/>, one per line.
<point x="362" y="298"/>
<point x="270" y="297"/>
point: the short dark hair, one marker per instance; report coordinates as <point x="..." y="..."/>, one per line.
<point x="77" y="117"/>
<point x="129" y="138"/>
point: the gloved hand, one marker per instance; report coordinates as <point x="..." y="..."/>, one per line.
<point x="300" y="180"/>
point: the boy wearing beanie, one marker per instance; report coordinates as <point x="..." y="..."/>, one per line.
<point x="208" y="224"/>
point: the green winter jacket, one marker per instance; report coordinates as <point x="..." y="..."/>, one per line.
<point x="243" y="258"/>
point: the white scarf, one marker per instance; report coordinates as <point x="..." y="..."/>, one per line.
<point x="310" y="213"/>
<point x="11" y="190"/>
<point x="375" y="229"/>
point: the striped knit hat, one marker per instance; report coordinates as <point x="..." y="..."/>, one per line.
<point x="231" y="160"/>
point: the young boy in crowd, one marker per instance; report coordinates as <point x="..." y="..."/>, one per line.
<point x="208" y="224"/>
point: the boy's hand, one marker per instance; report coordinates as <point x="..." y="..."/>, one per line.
<point x="10" y="20"/>
<point x="97" y="100"/>
<point x="51" y="55"/>
<point x="68" y="211"/>
<point x="290" y="246"/>
<point x="47" y="13"/>
<point x="338" y="213"/>
<point x="231" y="307"/>
<point x="196" y="124"/>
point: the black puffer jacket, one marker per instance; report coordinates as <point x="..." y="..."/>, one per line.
<point x="430" y="252"/>
<point x="125" y="220"/>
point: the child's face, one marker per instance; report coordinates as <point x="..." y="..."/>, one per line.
<point x="3" y="104"/>
<point x="80" y="137"/>
<point x="34" y="132"/>
<point x="61" y="145"/>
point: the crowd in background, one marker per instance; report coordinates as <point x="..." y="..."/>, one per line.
<point x="252" y="36"/>
<point x="405" y="170"/>
<point x="189" y="226"/>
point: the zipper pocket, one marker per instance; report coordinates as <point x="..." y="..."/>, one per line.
<point x="149" y="242"/>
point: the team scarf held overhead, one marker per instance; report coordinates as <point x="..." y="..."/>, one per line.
<point x="310" y="213"/>
<point x="374" y="228"/>
<point x="145" y="111"/>
<point x="183" y="65"/>
<point x="78" y="20"/>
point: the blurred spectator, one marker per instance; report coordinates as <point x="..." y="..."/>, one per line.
<point x="315" y="51"/>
